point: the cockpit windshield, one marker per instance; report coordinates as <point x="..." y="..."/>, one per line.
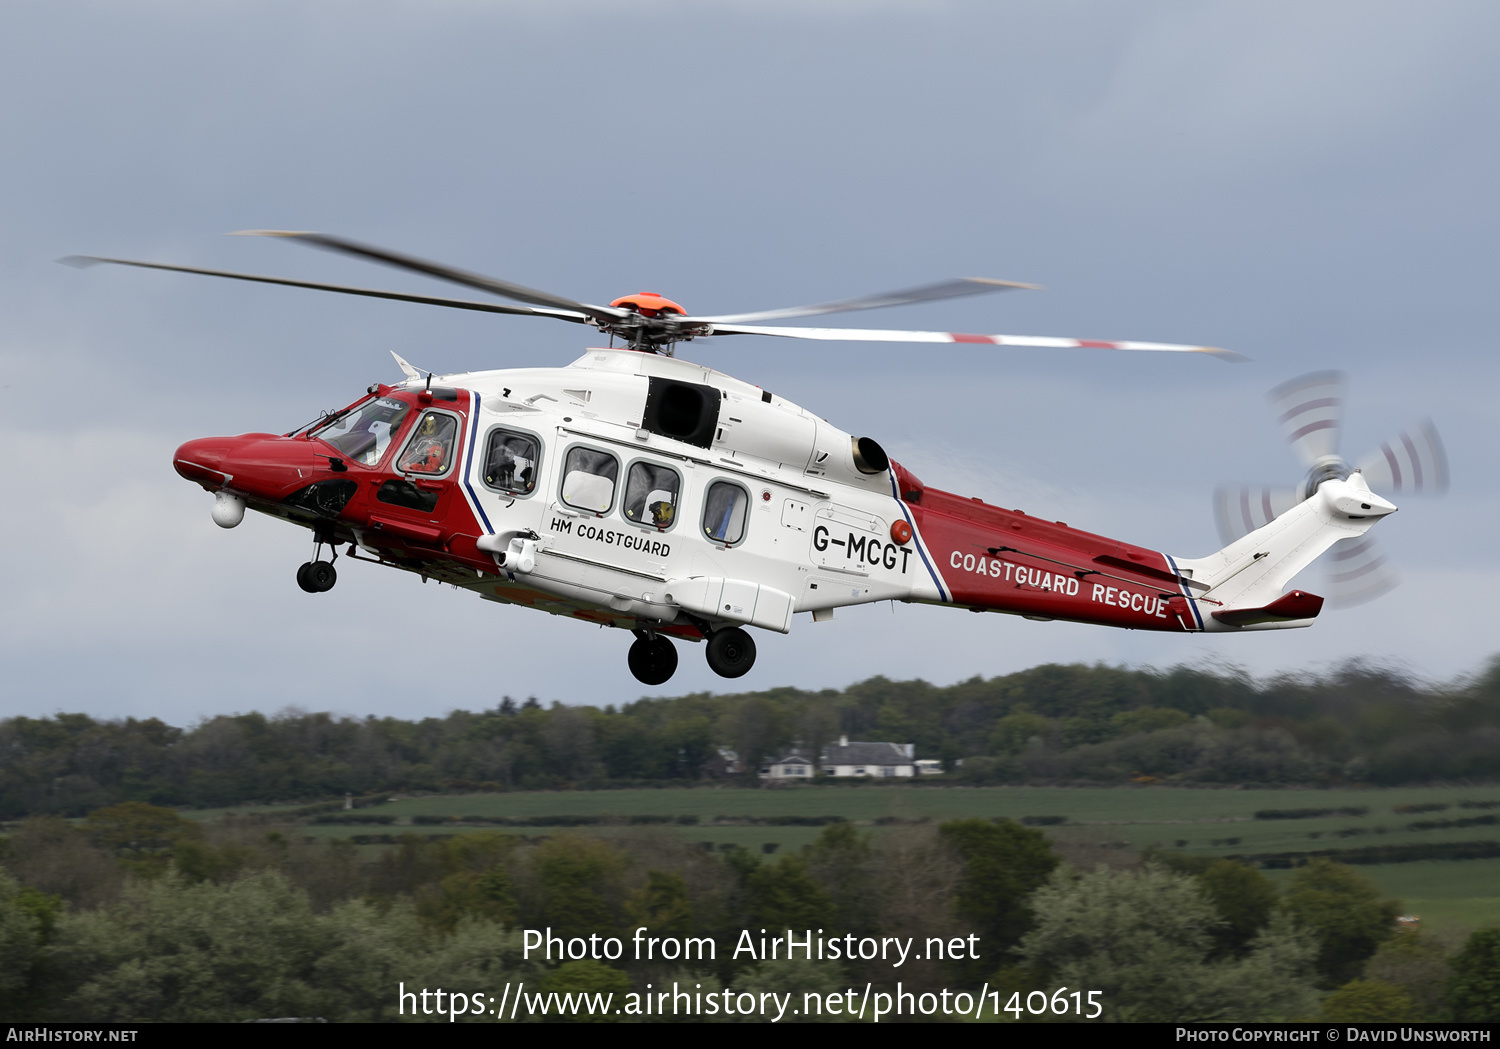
<point x="364" y="433"/>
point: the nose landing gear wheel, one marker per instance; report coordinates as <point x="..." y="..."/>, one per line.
<point x="317" y="577"/>
<point x="652" y="660"/>
<point x="730" y="652"/>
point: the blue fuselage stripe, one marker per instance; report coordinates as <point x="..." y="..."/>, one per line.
<point x="921" y="547"/>
<point x="473" y="458"/>
<point x="1186" y="592"/>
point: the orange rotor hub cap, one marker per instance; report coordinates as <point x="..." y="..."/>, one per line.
<point x="648" y="304"/>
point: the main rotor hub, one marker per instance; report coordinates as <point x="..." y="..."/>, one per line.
<point x="648" y="304"/>
<point x="652" y="323"/>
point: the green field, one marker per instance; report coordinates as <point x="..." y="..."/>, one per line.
<point x="864" y="802"/>
<point x="1449" y="897"/>
<point x="1099" y="822"/>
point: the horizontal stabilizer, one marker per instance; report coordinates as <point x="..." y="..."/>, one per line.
<point x="1295" y="604"/>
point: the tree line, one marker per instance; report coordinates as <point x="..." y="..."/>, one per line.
<point x="1049" y="724"/>
<point x="137" y="914"/>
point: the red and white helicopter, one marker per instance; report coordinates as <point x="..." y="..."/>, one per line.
<point x="638" y="490"/>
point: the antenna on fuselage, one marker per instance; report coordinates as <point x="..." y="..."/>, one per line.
<point x="406" y="368"/>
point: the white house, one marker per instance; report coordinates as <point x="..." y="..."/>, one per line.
<point x="869" y="759"/>
<point x="794" y="765"/>
<point x="852" y="760"/>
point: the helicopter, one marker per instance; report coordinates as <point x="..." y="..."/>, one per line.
<point x="638" y="490"/>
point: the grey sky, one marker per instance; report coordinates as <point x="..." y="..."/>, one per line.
<point x="1309" y="184"/>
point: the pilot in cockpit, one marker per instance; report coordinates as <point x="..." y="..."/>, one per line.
<point x="428" y="451"/>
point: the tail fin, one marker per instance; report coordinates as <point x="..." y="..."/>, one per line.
<point x="1251" y="573"/>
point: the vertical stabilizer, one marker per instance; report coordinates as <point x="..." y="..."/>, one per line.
<point x="1252" y="572"/>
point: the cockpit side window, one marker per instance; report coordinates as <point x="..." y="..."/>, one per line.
<point x="510" y="461"/>
<point x="724" y="511"/>
<point x="430" y="450"/>
<point x="589" y="479"/>
<point x="651" y="495"/>
<point x="364" y="435"/>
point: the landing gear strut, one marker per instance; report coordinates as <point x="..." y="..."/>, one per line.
<point x="317" y="577"/>
<point x="730" y="652"/>
<point x="652" y="659"/>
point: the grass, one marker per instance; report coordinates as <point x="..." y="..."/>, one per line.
<point x="1079" y="804"/>
<point x="1450" y="895"/>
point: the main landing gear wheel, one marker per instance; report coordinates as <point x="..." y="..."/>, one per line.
<point x="731" y="652"/>
<point x="317" y="577"/>
<point x="653" y="660"/>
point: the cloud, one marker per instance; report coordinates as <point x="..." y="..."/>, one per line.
<point x="1309" y="184"/>
<point x="1209" y="94"/>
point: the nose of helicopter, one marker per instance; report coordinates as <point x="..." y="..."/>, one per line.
<point x="264" y="466"/>
<point x="205" y="460"/>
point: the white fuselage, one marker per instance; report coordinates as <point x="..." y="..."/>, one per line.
<point x="807" y="502"/>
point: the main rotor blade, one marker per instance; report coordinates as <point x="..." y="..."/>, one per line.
<point x="1414" y="462"/>
<point x="948" y="289"/>
<point x="885" y="335"/>
<point x="478" y="281"/>
<point x="1310" y="409"/>
<point x="82" y="261"/>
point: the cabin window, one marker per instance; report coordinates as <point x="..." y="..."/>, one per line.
<point x="510" y="461"/>
<point x="724" y="512"/>
<point x="651" y="495"/>
<point x="365" y="434"/>
<point x="430" y="449"/>
<point x="589" y="480"/>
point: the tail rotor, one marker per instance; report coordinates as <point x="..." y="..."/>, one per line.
<point x="1310" y="411"/>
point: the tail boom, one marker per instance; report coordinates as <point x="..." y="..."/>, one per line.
<point x="989" y="559"/>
